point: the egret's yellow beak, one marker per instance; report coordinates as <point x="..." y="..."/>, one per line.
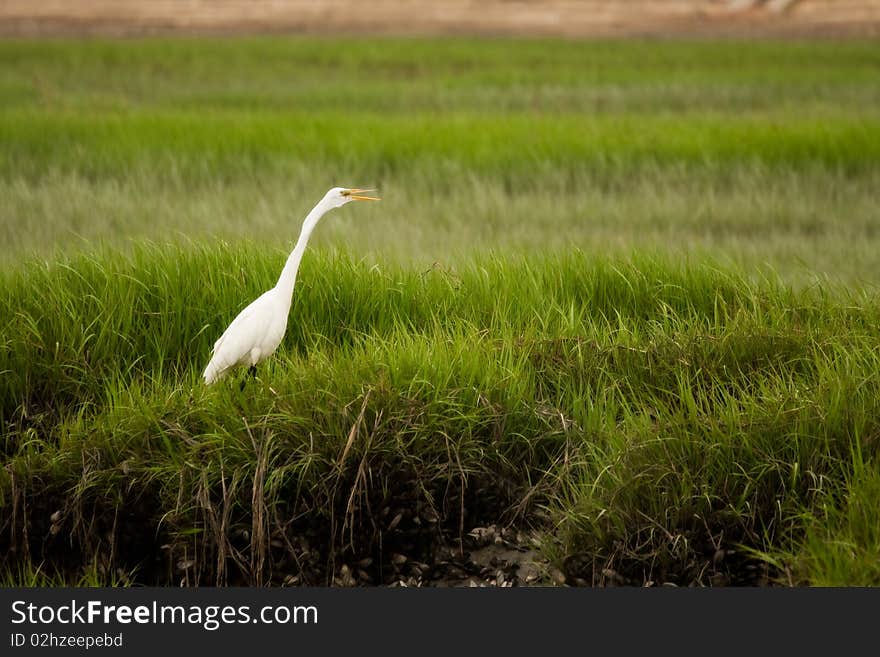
<point x="355" y="195"/>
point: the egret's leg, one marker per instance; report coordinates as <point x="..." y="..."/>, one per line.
<point x="252" y="370"/>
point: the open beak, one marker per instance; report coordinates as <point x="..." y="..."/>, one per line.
<point x="355" y="195"/>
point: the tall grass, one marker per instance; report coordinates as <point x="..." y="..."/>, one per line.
<point x="619" y="292"/>
<point x="663" y="415"/>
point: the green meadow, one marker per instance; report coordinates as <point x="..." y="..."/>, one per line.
<point x="620" y="294"/>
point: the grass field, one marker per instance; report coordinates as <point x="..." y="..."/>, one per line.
<point x="619" y="293"/>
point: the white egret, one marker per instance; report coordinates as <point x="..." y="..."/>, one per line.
<point x="257" y="331"/>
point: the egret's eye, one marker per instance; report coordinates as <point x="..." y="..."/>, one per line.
<point x="345" y="192"/>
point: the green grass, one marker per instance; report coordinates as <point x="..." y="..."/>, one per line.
<point x="759" y="154"/>
<point x="623" y="292"/>
<point x="656" y="409"/>
<point x="407" y="76"/>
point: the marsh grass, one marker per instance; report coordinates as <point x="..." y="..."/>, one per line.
<point x="661" y="414"/>
<point x="623" y="293"/>
<point x="755" y="154"/>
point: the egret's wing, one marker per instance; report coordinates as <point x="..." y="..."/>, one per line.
<point x="238" y="339"/>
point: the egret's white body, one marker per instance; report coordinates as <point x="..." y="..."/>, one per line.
<point x="256" y="332"/>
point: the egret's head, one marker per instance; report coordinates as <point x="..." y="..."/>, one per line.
<point x="339" y="196"/>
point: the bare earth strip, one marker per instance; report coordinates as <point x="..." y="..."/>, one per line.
<point x="567" y="18"/>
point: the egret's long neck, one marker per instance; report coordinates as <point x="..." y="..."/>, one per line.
<point x="288" y="274"/>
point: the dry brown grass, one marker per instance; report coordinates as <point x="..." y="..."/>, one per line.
<point x="567" y="18"/>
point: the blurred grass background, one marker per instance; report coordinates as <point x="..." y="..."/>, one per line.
<point x="763" y="154"/>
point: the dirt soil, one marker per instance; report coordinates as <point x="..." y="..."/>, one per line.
<point x="566" y="18"/>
